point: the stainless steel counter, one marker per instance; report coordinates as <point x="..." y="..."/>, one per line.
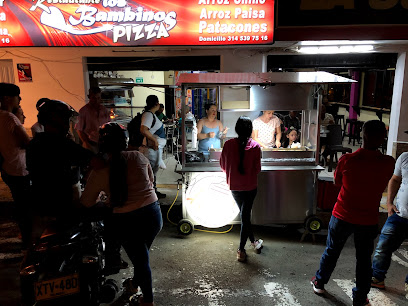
<point x="217" y="168"/>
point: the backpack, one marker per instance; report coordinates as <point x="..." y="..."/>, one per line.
<point x="135" y="136"/>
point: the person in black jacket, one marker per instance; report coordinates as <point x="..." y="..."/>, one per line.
<point x="51" y="157"/>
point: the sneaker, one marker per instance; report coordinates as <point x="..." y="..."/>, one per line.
<point x="241" y="255"/>
<point x="137" y="300"/>
<point x="160" y="195"/>
<point x="406" y="291"/>
<point x="364" y="303"/>
<point x="375" y="283"/>
<point x="162" y="165"/>
<point x="317" y="287"/>
<point x="257" y="246"/>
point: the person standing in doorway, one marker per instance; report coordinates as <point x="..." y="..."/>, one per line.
<point x="362" y="176"/>
<point x="91" y="117"/>
<point x="395" y="229"/>
<point x="155" y="137"/>
<point x="13" y="142"/>
<point x="241" y="161"/>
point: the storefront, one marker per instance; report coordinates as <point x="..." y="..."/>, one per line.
<point x="56" y="41"/>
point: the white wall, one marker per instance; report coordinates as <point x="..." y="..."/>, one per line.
<point x="61" y="72"/>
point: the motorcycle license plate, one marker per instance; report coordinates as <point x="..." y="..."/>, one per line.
<point x="56" y="287"/>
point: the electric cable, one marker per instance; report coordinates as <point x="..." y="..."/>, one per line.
<point x="168" y="211"/>
<point x="214" y="232"/>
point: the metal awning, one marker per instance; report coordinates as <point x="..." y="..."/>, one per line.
<point x="258" y="78"/>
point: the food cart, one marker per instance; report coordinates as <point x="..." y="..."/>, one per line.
<point x="287" y="184"/>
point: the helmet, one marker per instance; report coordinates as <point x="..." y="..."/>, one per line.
<point x="112" y="137"/>
<point x="50" y="110"/>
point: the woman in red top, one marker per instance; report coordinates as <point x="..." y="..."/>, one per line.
<point x="241" y="161"/>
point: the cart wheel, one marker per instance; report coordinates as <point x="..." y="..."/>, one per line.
<point x="313" y="224"/>
<point x="185" y="227"/>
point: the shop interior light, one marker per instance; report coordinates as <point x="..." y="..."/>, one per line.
<point x="335" y="49"/>
<point x="209" y="201"/>
<point x="336" y="42"/>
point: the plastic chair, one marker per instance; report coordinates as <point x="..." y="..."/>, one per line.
<point x="335" y="144"/>
<point x="352" y="130"/>
<point x="339" y="119"/>
<point x="355" y="131"/>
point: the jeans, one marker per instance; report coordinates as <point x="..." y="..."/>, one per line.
<point x="364" y="236"/>
<point x="20" y="189"/>
<point x="136" y="231"/>
<point x="393" y="233"/>
<point x="245" y="200"/>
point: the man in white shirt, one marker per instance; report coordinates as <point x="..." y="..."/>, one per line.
<point x="13" y="141"/>
<point x="395" y="229"/>
<point x="155" y="137"/>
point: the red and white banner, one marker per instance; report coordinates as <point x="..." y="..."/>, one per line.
<point x="136" y="23"/>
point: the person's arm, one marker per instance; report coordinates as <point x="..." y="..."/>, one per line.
<point x="150" y="172"/>
<point x="278" y="137"/>
<point x="223" y="130"/>
<point x="21" y="136"/>
<point x="80" y="128"/>
<point x="84" y="138"/>
<point x="338" y="173"/>
<point x="97" y="181"/>
<point x="393" y="187"/>
<point x="145" y="130"/>
<point x="258" y="165"/>
<point x="201" y="136"/>
<point x="255" y="137"/>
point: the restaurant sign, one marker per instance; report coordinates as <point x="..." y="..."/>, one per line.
<point x="136" y="23"/>
<point x="342" y="12"/>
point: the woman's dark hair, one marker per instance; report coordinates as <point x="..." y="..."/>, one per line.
<point x="243" y="128"/>
<point x="287" y="132"/>
<point x="151" y="101"/>
<point x="208" y="105"/>
<point x="113" y="140"/>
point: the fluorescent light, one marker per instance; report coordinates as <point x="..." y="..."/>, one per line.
<point x="335" y="49"/>
<point x="335" y="42"/>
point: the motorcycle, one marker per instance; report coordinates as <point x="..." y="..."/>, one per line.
<point x="67" y="267"/>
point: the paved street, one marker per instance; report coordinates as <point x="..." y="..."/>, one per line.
<point x="201" y="269"/>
